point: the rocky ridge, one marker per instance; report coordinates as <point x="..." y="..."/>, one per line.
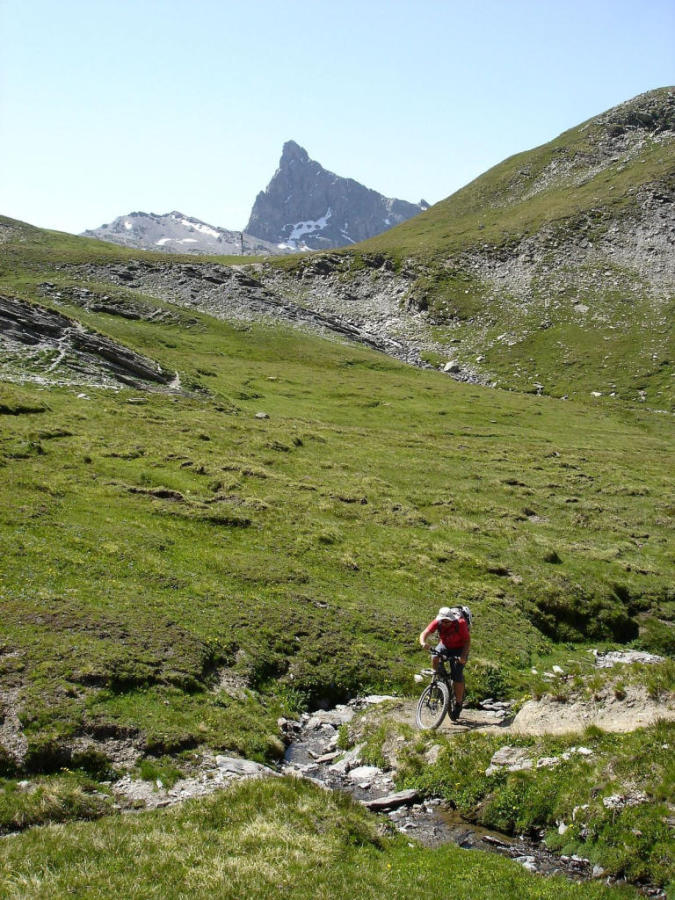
<point x="175" y="232"/>
<point x="559" y="275"/>
<point x="367" y="313"/>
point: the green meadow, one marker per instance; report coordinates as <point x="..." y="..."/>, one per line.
<point x="180" y="568"/>
<point x="151" y="540"/>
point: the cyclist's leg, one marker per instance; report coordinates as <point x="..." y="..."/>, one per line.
<point x="457" y="670"/>
<point x="434" y="659"/>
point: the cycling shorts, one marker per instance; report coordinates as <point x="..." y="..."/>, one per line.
<point x="456" y="667"/>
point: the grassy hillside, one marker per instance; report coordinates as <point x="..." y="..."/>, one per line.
<point x="153" y="542"/>
<point x="552" y="272"/>
<point x="181" y="566"/>
<point x="285" y="839"/>
<point x="579" y="172"/>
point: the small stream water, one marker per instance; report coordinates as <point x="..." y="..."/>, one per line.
<point x="312" y="753"/>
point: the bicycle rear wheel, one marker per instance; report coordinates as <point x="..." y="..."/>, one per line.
<point x="432" y="705"/>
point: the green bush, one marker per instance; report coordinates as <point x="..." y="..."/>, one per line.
<point x="567" y="612"/>
<point x="657" y="636"/>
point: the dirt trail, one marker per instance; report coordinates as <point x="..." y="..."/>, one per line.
<point x="632" y="708"/>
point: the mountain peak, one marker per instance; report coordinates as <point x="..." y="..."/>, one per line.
<point x="175" y="232"/>
<point x="292" y="152"/>
<point x="306" y="207"/>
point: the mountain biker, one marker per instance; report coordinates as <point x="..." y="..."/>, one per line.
<point x="455" y="641"/>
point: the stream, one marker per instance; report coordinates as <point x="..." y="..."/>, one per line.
<point x="312" y="752"/>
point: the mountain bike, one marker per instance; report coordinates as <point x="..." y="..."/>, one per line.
<point x="437" y="698"/>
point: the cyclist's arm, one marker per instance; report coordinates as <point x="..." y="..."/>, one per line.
<point x="425" y="634"/>
<point x="465" y="651"/>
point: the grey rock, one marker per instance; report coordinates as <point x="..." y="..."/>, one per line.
<point x="620" y="801"/>
<point x="349" y="761"/>
<point x="393" y="801"/>
<point x="514" y="759"/>
<point x="527" y="862"/>
<point x="625" y="657"/>
<point x="30" y="325"/>
<point x="547" y="762"/>
<point x="328" y="757"/>
<point x="334" y="717"/>
<point x="233" y="767"/>
<point x="364" y="773"/>
<point x="376" y="699"/>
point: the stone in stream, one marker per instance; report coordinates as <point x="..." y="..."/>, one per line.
<point x="232" y="767"/>
<point x="391" y="801"/>
<point x="349" y="761"/>
<point x="527" y="862"/>
<point x="496" y="842"/>
<point x="364" y="773"/>
<point x="328" y="757"/>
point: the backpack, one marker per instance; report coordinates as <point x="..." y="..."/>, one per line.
<point x="466" y="615"/>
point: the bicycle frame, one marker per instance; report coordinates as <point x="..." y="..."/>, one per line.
<point x="442" y="674"/>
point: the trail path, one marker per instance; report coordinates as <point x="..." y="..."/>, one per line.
<point x="630" y="709"/>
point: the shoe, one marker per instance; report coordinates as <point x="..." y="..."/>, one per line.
<point x="456" y="712"/>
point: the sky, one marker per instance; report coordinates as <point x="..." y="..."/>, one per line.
<point x="114" y="106"/>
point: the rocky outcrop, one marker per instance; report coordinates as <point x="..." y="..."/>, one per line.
<point x="612" y="710"/>
<point x="63" y="349"/>
<point x="255" y="294"/>
<point x="212" y="774"/>
<point x="306" y="207"/>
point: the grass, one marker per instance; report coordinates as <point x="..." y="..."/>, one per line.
<point x="281" y="839"/>
<point x="513" y="276"/>
<point x="499" y="205"/>
<point x="148" y="547"/>
<point x="51" y="799"/>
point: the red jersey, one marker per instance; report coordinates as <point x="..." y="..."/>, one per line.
<point x="454" y="634"/>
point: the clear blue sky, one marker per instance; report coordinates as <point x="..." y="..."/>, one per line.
<point x="110" y="106"/>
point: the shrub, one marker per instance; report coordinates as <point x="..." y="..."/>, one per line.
<point x="566" y="612"/>
<point x="657" y="636"/>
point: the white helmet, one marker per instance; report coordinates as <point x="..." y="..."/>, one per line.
<point x="445" y="613"/>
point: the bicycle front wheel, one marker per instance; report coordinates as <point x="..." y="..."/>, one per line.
<point x="433" y="705"/>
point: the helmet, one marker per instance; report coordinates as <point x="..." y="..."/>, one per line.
<point x="445" y="613"/>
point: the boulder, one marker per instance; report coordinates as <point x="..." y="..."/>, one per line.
<point x="393" y="801"/>
<point x="513" y="759"/>
<point x="233" y="767"/>
<point x="364" y="773"/>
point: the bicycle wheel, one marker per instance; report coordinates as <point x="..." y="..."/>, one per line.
<point x="433" y="705"/>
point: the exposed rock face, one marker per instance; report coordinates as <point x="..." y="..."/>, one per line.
<point x="63" y="349"/>
<point x="236" y="293"/>
<point x="307" y="207"/>
<point x="632" y="709"/>
<point x="176" y="233"/>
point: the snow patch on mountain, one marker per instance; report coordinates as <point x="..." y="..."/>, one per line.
<point x="311" y="226"/>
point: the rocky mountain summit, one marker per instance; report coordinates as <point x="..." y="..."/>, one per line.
<point x="177" y="233"/>
<point x="306" y="207"/>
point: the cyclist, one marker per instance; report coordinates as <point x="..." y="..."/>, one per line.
<point x="455" y="640"/>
